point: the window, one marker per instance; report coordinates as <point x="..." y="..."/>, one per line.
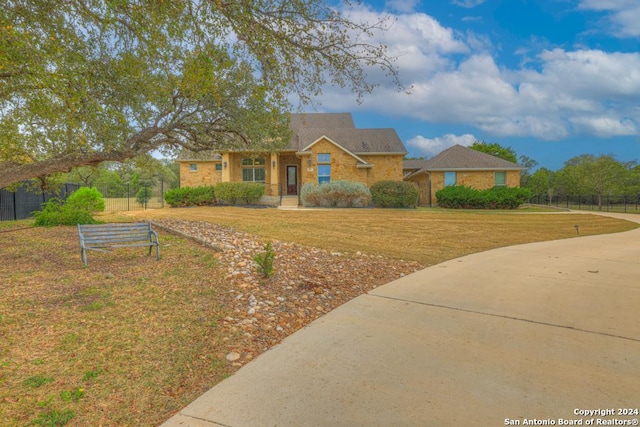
<point x="193" y="167"/>
<point x="449" y="178"/>
<point x="501" y="179"/>
<point x="260" y="161"/>
<point x="324" y="158"/>
<point x="253" y="170"/>
<point x="324" y="173"/>
<point x="218" y="166"/>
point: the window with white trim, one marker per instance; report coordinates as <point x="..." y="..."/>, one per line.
<point x="449" y="179"/>
<point x="193" y="167"/>
<point x="253" y="170"/>
<point x="501" y="179"/>
<point x="324" y="168"/>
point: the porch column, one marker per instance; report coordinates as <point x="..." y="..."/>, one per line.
<point x="226" y="168"/>
<point x="274" y="173"/>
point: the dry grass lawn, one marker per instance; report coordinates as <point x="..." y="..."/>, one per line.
<point x="429" y="236"/>
<point x="129" y="341"/>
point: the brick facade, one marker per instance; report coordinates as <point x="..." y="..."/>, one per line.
<point x="206" y="174"/>
<point x="480" y="180"/>
<point x="344" y="166"/>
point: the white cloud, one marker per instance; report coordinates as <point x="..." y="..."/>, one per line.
<point x="404" y="6"/>
<point x="605" y="126"/>
<point x="431" y="146"/>
<point x="623" y="18"/>
<point x="455" y="79"/>
<point x="467" y="3"/>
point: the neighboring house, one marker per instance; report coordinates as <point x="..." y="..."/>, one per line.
<point x="324" y="147"/>
<point x="460" y="165"/>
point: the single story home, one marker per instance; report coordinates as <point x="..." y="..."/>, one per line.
<point x="328" y="146"/>
<point x="323" y="147"/>
<point x="460" y="165"/>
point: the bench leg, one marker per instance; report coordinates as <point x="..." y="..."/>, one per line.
<point x="83" y="254"/>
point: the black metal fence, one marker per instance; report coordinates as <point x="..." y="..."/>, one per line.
<point x="625" y="203"/>
<point x="22" y="202"/>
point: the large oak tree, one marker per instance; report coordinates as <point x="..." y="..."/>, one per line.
<point x="88" y="81"/>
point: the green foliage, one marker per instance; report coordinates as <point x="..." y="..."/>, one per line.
<point x="463" y="197"/>
<point x="239" y="192"/>
<point x="394" y="194"/>
<point x="86" y="198"/>
<point x="72" y="395"/>
<point x="143" y="195"/>
<point x="496" y="150"/>
<point x="92" y="375"/>
<point x="36" y="381"/>
<point x="190" y="196"/>
<point x="78" y="209"/>
<point x="265" y="261"/>
<point x="112" y="80"/>
<point x="54" y="418"/>
<point x="336" y="194"/>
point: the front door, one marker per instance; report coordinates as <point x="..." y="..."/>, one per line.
<point x="292" y="180"/>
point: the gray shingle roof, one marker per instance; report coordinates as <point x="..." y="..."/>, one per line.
<point x="321" y="121"/>
<point x="339" y="127"/>
<point x="202" y="156"/>
<point x="464" y="158"/>
<point x="358" y="141"/>
<point x="413" y="164"/>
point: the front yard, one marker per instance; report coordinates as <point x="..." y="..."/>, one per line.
<point x="130" y="340"/>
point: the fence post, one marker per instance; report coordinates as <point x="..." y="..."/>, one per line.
<point x="128" y="196"/>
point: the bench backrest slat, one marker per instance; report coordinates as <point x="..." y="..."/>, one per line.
<point x="114" y="233"/>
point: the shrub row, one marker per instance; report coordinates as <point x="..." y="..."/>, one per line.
<point x="190" y="196"/>
<point x="235" y="192"/>
<point x="224" y="192"/>
<point x="462" y="197"/>
<point x="394" y="194"/>
<point x="336" y="194"/>
<point x="78" y="209"/>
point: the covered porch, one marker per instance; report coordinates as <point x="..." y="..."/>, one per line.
<point x="280" y="172"/>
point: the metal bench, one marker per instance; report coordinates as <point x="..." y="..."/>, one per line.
<point x="102" y="237"/>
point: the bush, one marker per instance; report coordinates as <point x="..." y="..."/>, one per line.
<point x="190" y="196"/>
<point x="235" y="192"/>
<point x="143" y="195"/>
<point x="462" y="197"/>
<point x="78" y="209"/>
<point x="337" y="194"/>
<point x="394" y="194"/>
<point x="265" y="261"/>
<point x="86" y="198"/>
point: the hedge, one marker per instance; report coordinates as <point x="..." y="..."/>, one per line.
<point x="462" y="197"/>
<point x="236" y="192"/>
<point x="337" y="194"/>
<point x="190" y="196"/>
<point x="394" y="194"/>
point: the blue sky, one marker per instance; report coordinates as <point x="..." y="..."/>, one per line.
<point x="551" y="79"/>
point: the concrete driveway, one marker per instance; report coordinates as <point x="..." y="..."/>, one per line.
<point x="545" y="331"/>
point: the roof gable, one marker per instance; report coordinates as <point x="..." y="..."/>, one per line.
<point x="360" y="141"/>
<point x="346" y="150"/>
<point x="464" y="158"/>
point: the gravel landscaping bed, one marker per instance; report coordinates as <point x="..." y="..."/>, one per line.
<point x="307" y="283"/>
